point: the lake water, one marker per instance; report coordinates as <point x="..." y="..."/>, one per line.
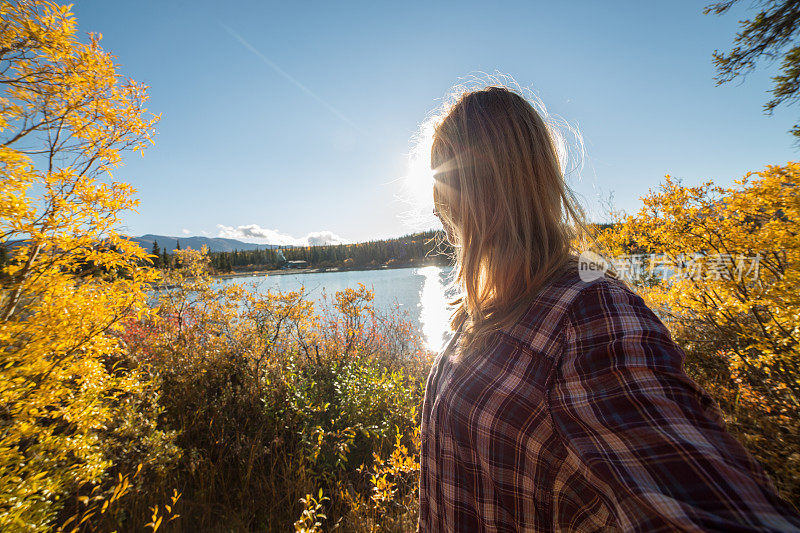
<point x="419" y="292"/>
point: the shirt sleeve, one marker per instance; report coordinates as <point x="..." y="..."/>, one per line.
<point x="646" y="435"/>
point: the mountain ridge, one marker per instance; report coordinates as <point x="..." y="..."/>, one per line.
<point x="215" y="244"/>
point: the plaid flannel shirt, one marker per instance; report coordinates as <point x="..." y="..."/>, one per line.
<point x="581" y="418"/>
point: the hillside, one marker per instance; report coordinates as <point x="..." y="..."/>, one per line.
<point x="214" y="244"/>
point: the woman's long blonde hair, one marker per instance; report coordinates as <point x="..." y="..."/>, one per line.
<point x="500" y="193"/>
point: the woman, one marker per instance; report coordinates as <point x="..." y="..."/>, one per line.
<point x="560" y="404"/>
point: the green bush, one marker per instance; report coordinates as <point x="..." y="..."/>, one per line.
<point x="273" y="400"/>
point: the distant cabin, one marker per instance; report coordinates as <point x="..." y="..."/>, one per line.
<point x="295" y="264"/>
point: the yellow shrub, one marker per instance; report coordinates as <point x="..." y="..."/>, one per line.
<point x="71" y="279"/>
<point x="728" y="262"/>
<point x="275" y="399"/>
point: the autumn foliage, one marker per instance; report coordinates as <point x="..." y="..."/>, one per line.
<point x="133" y="399"/>
<point x="727" y="285"/>
<point x="67" y="409"/>
<point x="286" y="413"/>
<point x="192" y="407"/>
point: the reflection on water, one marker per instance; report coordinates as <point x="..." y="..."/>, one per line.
<point x="434" y="313"/>
<point x="418" y="292"/>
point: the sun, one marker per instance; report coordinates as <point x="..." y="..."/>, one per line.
<point x="417" y="183"/>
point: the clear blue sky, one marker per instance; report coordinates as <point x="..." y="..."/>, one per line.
<point x="302" y="124"/>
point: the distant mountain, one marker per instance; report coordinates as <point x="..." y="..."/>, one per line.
<point x="195" y="243"/>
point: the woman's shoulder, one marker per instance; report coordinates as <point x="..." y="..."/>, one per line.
<point x="556" y="304"/>
<point x="607" y="305"/>
<point x="608" y="326"/>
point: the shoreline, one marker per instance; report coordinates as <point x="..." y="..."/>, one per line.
<point x="322" y="270"/>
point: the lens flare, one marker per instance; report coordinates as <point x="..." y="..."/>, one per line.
<point x="416" y="184"/>
<point x="418" y="180"/>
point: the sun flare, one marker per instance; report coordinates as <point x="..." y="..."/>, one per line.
<point x="417" y="183"/>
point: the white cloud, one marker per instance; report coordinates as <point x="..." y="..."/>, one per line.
<point x="255" y="233"/>
<point x="316" y="238"/>
<point x="186" y="231"/>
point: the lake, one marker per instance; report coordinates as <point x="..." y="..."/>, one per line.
<point x="418" y="292"/>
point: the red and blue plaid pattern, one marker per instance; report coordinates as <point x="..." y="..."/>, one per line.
<point x="581" y="418"/>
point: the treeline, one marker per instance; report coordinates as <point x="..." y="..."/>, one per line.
<point x="161" y="257"/>
<point x="429" y="246"/>
<point x="247" y="260"/>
